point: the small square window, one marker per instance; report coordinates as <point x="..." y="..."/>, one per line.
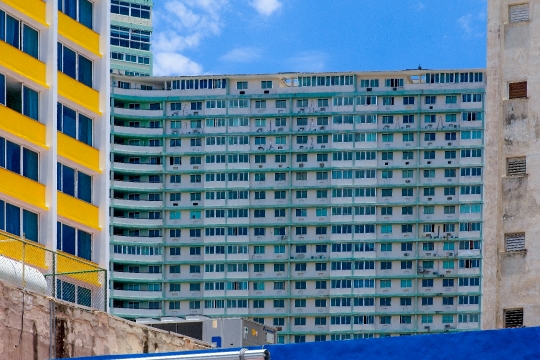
<point x="513" y="318"/>
<point x="517" y="90"/>
<point x="515" y="242"/>
<point x="519" y="13"/>
<point x="516" y="166"/>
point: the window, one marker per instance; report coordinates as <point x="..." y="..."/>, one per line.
<point x="75" y="65"/>
<point x="513" y="318"/>
<point x="73" y="182"/>
<point x="408" y="100"/>
<point x="260" y="104"/>
<point x="74" y="124"/>
<point x="518" y="13"/>
<point x="81" y="10"/>
<point x="241" y="85"/>
<point x="266" y="84"/>
<point x="515" y="242"/>
<point x="18" y="97"/>
<point x="430" y="100"/>
<point x="516" y="166"/>
<point x="74" y="241"/>
<point x="18" y="34"/>
<point x="281" y="104"/>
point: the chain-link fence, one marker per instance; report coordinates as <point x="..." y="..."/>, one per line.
<point x="60" y="275"/>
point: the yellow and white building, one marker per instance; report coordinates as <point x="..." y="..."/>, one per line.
<point x="54" y="125"/>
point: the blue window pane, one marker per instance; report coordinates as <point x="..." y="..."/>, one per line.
<point x="65" y="291"/>
<point x="68" y="180"/>
<point x="58" y="176"/>
<point x="85" y="71"/>
<point x="69" y="122"/>
<point x="30" y="225"/>
<point x="84" y="187"/>
<point x="2" y="152"/>
<point x="84" y="296"/>
<point x="59" y="112"/>
<point x="30" y="41"/>
<point x="2" y="25"/>
<point x="68" y="239"/>
<point x="59" y="59"/>
<point x="69" y="62"/>
<point x="2" y="217"/>
<point x="13" y="157"/>
<point x="12" y="31"/>
<point x="70" y="8"/>
<point x="85" y="129"/>
<point x="31" y="103"/>
<point x="58" y="235"/>
<point x="85" y="13"/>
<point x="2" y="89"/>
<point x="30" y="164"/>
<point x="84" y="245"/>
<point x="13" y="219"/>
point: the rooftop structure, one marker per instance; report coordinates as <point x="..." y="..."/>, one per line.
<point x="330" y="205"/>
<point x="131" y="29"/>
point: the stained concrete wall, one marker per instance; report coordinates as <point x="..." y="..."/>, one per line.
<point x="75" y="331"/>
<point x="512" y="203"/>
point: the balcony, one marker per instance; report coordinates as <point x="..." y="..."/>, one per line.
<point x="136" y="185"/>
<point x="146" y="313"/>
<point x="134" y="149"/>
<point x="142" y="258"/>
<point x="137" y="239"/>
<point x="136" y="204"/>
<point x="137" y="222"/>
<point x="137" y="167"/>
<point x="137" y="130"/>
<point x="136" y="294"/>
<point x="137" y="113"/>
<point x="136" y="276"/>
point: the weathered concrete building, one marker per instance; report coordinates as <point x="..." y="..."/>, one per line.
<point x="512" y="216"/>
<point x="38" y="327"/>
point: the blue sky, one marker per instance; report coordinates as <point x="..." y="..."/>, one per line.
<point x="267" y="36"/>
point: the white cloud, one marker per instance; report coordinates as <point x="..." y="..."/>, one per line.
<point x="307" y="61"/>
<point x="266" y="7"/>
<point x="175" y="64"/>
<point x="472" y="25"/>
<point x="185" y="24"/>
<point x="242" y="55"/>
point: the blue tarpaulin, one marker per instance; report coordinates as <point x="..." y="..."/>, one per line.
<point x="508" y="344"/>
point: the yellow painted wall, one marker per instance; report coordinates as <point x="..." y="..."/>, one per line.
<point x="78" y="152"/>
<point x="78" y="33"/>
<point x="78" y="210"/>
<point x="78" y="93"/>
<point x="22" y="63"/>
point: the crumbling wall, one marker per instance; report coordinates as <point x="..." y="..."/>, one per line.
<point x="75" y="331"/>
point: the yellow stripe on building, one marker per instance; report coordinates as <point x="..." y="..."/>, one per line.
<point x="78" y="152"/>
<point x="78" y="33"/>
<point x="23" y="64"/>
<point x="78" y="210"/>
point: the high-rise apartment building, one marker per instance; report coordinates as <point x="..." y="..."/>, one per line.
<point x="131" y="28"/>
<point x="333" y="206"/>
<point x="54" y="111"/>
<point x="512" y="212"/>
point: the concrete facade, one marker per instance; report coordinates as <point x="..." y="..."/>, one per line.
<point x="331" y="206"/>
<point x="512" y="204"/>
<point x="58" y="329"/>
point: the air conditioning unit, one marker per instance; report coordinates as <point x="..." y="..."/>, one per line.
<point x="175" y="132"/>
<point x="280" y="147"/>
<point x="323" y="109"/>
<point x="450" y="254"/>
<point x="427" y="327"/>
<point x="280" y="129"/>
<point x="407" y="181"/>
<point x="323" y="146"/>
<point x="280" y="165"/>
<point x="195" y="168"/>
<point x="321" y="128"/>
<point x="369" y="89"/>
<point x="195" y="113"/>
<point x="279" y="328"/>
<point x="301" y="165"/>
<point x="196" y="132"/>
<point x="283" y="237"/>
<point x="321" y="165"/>
<point x="260" y="166"/>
